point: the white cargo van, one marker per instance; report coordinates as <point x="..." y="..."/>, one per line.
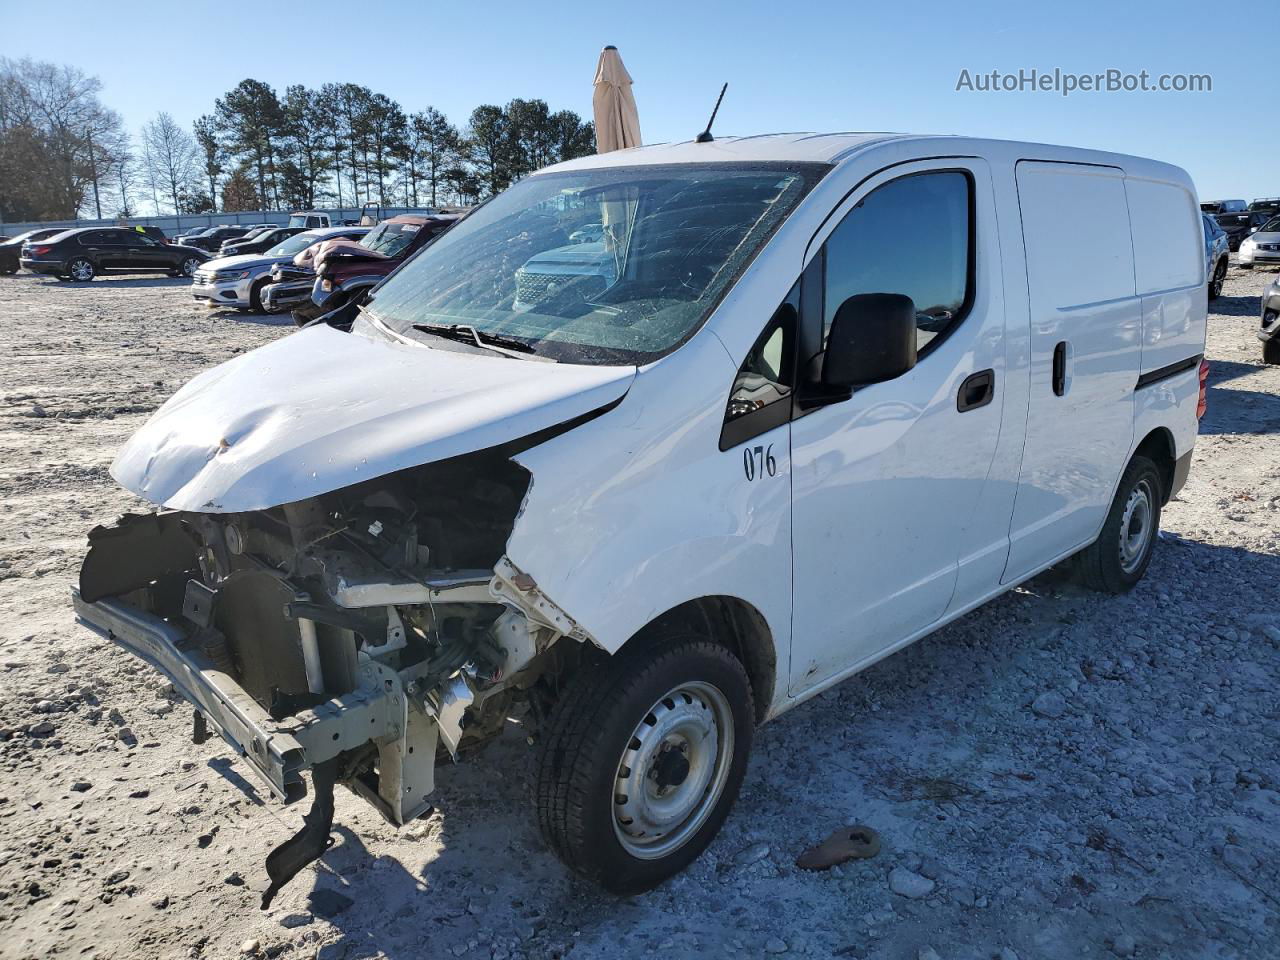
<point x="828" y="393"/>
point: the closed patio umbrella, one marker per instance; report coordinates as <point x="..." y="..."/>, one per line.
<point x="617" y="127"/>
<point x="613" y="104"/>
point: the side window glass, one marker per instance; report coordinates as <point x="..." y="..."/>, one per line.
<point x="910" y="236"/>
<point x="760" y="398"/>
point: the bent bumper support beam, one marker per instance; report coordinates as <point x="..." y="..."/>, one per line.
<point x="377" y="711"/>
<point x="309" y="843"/>
<point x="278" y="750"/>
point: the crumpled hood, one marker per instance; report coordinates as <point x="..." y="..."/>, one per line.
<point x="320" y="410"/>
<point x="350" y="254"/>
<point x="313" y="253"/>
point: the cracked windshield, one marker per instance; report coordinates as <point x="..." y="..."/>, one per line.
<point x="596" y="266"/>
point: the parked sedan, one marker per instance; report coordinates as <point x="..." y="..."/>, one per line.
<point x="184" y="235"/>
<point x="260" y="241"/>
<point x="1262" y="248"/>
<point x="84" y="253"/>
<point x="211" y="239"/>
<point x="239" y="281"/>
<point x="1240" y="225"/>
<point x="1216" y="256"/>
<point x="10" y="250"/>
<point x="249" y="234"/>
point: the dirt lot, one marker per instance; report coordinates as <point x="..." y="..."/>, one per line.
<point x="1057" y="775"/>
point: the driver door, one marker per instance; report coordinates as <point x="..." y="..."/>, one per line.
<point x="887" y="482"/>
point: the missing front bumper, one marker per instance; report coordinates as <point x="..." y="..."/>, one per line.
<point x="376" y="711"/>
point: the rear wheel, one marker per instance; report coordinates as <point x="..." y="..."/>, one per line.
<point x="643" y="759"/>
<point x="1271" y="351"/>
<point x="189" y="266"/>
<point x="80" y="270"/>
<point x="9" y="266"/>
<point x="1118" y="559"/>
<point x="1219" y="278"/>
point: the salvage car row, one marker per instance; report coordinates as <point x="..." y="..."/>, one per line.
<point x="319" y="271"/>
<point x="81" y="253"/>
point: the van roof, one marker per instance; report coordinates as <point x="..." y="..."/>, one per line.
<point x="835" y="148"/>
<point x="794" y="147"/>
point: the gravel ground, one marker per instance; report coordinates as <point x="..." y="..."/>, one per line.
<point x="1057" y="775"/>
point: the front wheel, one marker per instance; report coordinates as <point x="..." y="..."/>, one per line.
<point x="643" y="760"/>
<point x="1118" y="559"/>
<point x="80" y="270"/>
<point x="255" y="295"/>
<point x="1271" y="351"/>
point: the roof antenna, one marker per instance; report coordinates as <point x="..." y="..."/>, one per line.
<point x="705" y="136"/>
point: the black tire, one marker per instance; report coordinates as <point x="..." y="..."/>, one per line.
<point x="9" y="267"/>
<point x="188" y="267"/>
<point x="81" y="269"/>
<point x="1271" y="351"/>
<point x="1219" y="278"/>
<point x="255" y="295"/>
<point x="598" y="720"/>
<point x="1108" y="564"/>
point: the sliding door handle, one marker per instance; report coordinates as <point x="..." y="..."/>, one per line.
<point x="1060" y="369"/>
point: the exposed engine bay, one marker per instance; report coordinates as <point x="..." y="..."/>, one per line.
<point x="362" y="633"/>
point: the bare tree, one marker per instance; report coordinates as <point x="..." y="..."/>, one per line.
<point x="51" y="122"/>
<point x="172" y="159"/>
<point x="123" y="173"/>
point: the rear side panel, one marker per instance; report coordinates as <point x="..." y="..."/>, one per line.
<point x="1168" y="269"/>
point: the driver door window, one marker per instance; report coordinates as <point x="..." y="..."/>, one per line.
<point x="910" y="236"/>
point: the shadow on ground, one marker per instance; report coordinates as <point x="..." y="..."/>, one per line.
<point x="118" y="281"/>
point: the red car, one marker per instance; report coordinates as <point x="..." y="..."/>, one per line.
<point x="346" y="270"/>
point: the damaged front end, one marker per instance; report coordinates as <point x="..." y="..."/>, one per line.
<point x="360" y="634"/>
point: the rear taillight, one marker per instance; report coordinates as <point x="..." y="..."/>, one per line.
<point x="40" y="251"/>
<point x="1202" y="404"/>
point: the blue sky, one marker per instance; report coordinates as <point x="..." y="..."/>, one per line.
<point x="820" y="65"/>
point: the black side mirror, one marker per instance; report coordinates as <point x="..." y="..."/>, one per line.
<point x="872" y="339"/>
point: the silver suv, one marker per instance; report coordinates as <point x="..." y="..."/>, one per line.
<point x="238" y="281"/>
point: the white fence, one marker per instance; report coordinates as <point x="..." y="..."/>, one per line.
<point x="171" y="225"/>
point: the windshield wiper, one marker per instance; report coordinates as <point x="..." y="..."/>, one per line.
<point x="465" y="333"/>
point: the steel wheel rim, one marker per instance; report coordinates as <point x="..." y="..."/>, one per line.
<point x="1136" y="527"/>
<point x="81" y="270"/>
<point x="686" y="736"/>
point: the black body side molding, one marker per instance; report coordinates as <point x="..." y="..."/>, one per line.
<point x="1172" y="370"/>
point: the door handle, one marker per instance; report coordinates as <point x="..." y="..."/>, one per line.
<point x="1060" y="369"/>
<point x="976" y="391"/>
